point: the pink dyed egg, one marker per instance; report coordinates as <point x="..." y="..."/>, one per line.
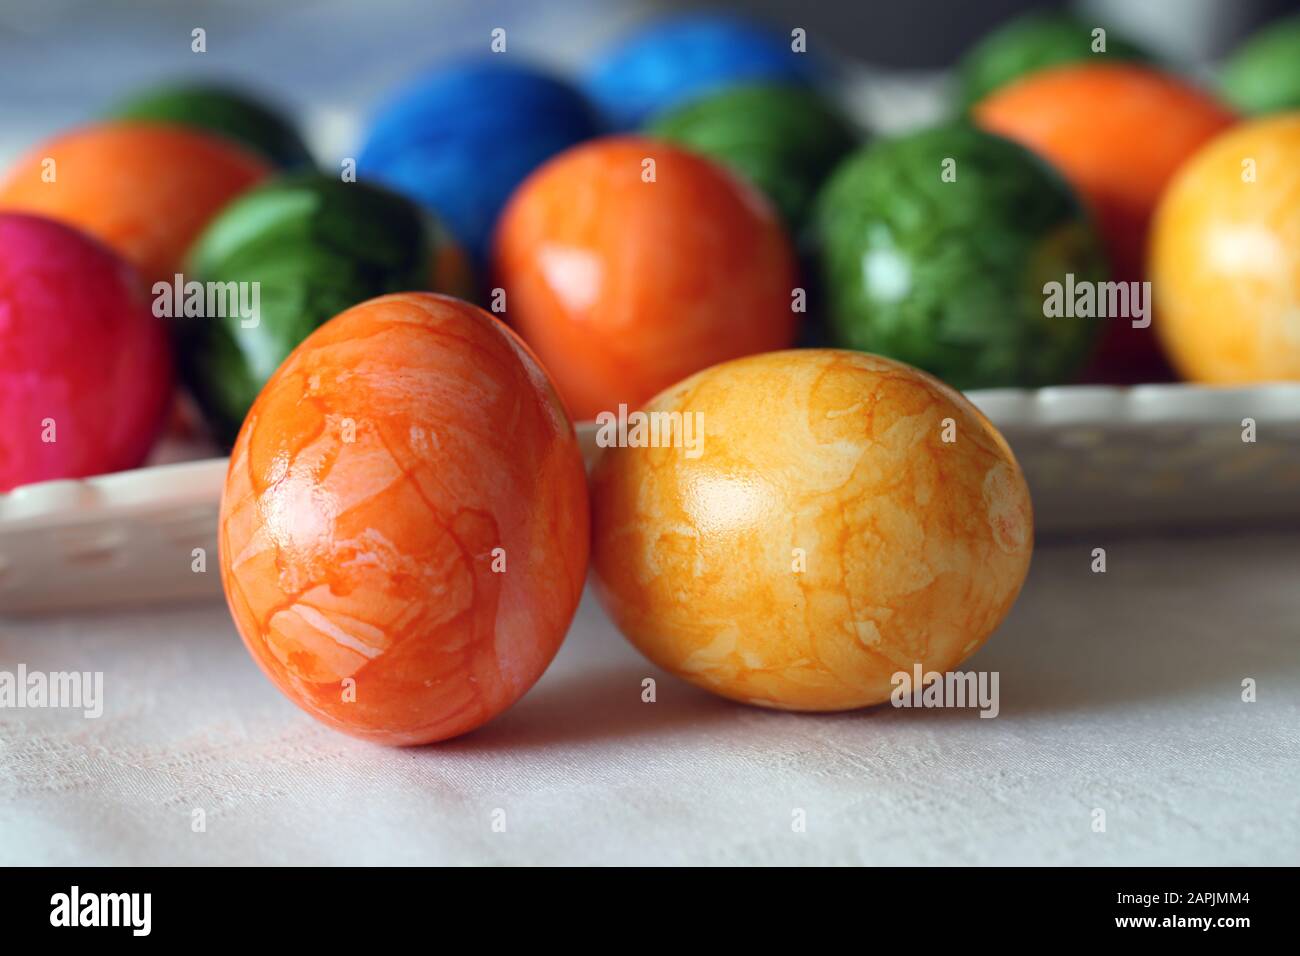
<point x="85" y="367"/>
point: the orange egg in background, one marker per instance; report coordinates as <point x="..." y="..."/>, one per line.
<point x="1118" y="133"/>
<point x="624" y="285"/>
<point x="831" y="519"/>
<point x="145" y="190"/>
<point x="404" y="528"/>
<point x="1225" y="257"/>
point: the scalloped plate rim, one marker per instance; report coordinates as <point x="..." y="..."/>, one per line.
<point x="200" y="481"/>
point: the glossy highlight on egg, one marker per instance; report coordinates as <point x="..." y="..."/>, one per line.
<point x="628" y="263"/>
<point x="404" y="528"/>
<point x="844" y="518"/>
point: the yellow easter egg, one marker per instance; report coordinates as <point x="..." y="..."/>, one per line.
<point x="1225" y="257"/>
<point x="793" y="529"/>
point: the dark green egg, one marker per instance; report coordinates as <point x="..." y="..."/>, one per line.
<point x="1263" y="75"/>
<point x="230" y="113"/>
<point x="314" y="245"/>
<point x="783" y="139"/>
<point x="950" y="275"/>
<point x="1030" y="43"/>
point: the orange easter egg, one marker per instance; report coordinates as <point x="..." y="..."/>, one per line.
<point x="807" y="525"/>
<point x="145" y="190"/>
<point x="403" y="532"/>
<point x="1225" y="257"/>
<point x="1118" y="132"/>
<point x="628" y="264"/>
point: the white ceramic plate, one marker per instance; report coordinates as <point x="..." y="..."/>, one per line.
<point x="1099" y="460"/>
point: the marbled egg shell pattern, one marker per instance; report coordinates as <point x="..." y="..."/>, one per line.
<point x="406" y="507"/>
<point x="825" y="537"/>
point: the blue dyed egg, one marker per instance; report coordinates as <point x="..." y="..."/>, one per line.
<point x="460" y="139"/>
<point x="682" y="58"/>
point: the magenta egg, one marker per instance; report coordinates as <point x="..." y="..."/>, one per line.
<point x="85" y="366"/>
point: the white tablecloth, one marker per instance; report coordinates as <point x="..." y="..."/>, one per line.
<point x="1119" y="692"/>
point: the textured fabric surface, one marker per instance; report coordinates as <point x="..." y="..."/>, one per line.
<point x="1119" y="691"/>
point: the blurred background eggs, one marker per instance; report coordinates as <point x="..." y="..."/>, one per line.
<point x="1034" y="42"/>
<point x="1118" y="133"/>
<point x="629" y="263"/>
<point x="783" y="139"/>
<point x="668" y="63"/>
<point x="904" y="279"/>
<point x="462" y="137"/>
<point x="314" y="246"/>
<point x="1225" y="257"/>
<point x="85" y="367"/>
<point x="1261" y="76"/>
<point x="146" y="190"/>
<point x="225" y="111"/>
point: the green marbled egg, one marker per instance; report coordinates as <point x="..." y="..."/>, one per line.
<point x="950" y="275"/>
<point x="314" y="246"/>
<point x="1263" y="75"/>
<point x="783" y="139"/>
<point x="226" y="112"/>
<point x="1036" y="41"/>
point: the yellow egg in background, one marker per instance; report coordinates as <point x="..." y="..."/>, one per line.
<point x="811" y="523"/>
<point x="1225" y="257"/>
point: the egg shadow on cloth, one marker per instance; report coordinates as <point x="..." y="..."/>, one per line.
<point x="1173" y="617"/>
<point x="604" y="704"/>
